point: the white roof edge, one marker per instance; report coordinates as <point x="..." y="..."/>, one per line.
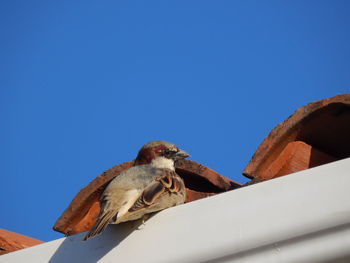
<point x="304" y="217"/>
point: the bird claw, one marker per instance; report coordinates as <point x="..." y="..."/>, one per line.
<point x="143" y="223"/>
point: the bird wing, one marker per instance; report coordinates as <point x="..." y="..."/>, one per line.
<point x="135" y="189"/>
<point x="167" y="181"/>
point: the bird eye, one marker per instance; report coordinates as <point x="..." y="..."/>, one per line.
<point x="166" y="151"/>
<point x="169" y="152"/>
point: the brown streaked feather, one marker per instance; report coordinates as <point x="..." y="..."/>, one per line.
<point x="175" y="186"/>
<point x="170" y="180"/>
<point x="152" y="192"/>
<point x="167" y="182"/>
<point x="148" y="196"/>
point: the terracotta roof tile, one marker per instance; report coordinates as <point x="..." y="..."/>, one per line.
<point x="10" y="241"/>
<point x="315" y="134"/>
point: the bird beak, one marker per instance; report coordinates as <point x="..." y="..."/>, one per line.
<point x="181" y="154"/>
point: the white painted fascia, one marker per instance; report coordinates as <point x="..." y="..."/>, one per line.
<point x="304" y="217"/>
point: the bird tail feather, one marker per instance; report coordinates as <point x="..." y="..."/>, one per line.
<point x="100" y="225"/>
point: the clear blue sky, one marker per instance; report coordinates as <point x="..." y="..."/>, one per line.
<point x="84" y="84"/>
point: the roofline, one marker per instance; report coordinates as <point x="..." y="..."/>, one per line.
<point x="303" y="217"/>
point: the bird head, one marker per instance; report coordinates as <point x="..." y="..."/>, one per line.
<point x="155" y="149"/>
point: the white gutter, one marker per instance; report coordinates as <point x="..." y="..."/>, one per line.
<point x="304" y="217"/>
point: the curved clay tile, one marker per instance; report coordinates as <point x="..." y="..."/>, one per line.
<point x="10" y="241"/>
<point x="314" y="134"/>
<point x="81" y="213"/>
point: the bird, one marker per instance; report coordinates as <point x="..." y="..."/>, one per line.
<point x="149" y="186"/>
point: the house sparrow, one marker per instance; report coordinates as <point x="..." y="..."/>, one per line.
<point x="149" y="186"/>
